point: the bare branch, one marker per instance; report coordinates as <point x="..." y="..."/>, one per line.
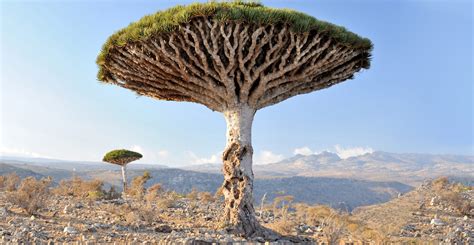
<point x="223" y="65"/>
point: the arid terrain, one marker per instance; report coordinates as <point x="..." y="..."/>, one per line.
<point x="77" y="210"/>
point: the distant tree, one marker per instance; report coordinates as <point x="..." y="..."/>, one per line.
<point x="122" y="157"/>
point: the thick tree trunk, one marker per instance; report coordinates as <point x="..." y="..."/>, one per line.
<point x="239" y="214"/>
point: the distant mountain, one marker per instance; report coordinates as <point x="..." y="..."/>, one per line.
<point x="320" y="178"/>
<point x="337" y="192"/>
<point x="6" y="169"/>
<point x="408" y="168"/>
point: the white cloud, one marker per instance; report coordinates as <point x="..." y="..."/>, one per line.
<point x="268" y="157"/>
<point x="303" y="151"/>
<point x="352" y="151"/>
<point x="306" y="151"/>
<point x="151" y="156"/>
<point x="137" y="148"/>
<point x="263" y="158"/>
<point x="163" y="153"/>
<point x="20" y="152"/>
<point x="195" y="159"/>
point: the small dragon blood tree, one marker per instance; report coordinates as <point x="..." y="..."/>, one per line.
<point x="122" y="157"/>
<point x="234" y="58"/>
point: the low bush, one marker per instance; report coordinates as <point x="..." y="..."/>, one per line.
<point x="137" y="186"/>
<point x="440" y="183"/>
<point x="193" y="194"/>
<point x="463" y="206"/>
<point x="206" y="197"/>
<point x="314" y="215"/>
<point x="152" y="193"/>
<point x="11" y="182"/>
<point x="112" y="194"/>
<point x="31" y="194"/>
<point x="165" y="203"/>
<point x="142" y="214"/>
<point x="2" y="182"/>
<point x="133" y="214"/>
<point x="79" y="188"/>
<point x="283" y="226"/>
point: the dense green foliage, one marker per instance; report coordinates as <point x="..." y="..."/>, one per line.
<point x="117" y="155"/>
<point x="251" y="12"/>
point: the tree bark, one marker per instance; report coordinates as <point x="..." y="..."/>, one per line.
<point x="239" y="214"/>
<point x="124" y="177"/>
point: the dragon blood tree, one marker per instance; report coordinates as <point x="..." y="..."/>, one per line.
<point x="234" y="58"/>
<point x="122" y="158"/>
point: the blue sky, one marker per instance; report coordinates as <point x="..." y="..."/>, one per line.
<point x="416" y="97"/>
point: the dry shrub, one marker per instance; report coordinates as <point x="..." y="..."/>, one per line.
<point x="116" y="210"/>
<point x="31" y="194"/>
<point x="148" y="215"/>
<point x="193" y="195"/>
<point x="140" y="214"/>
<point x="459" y="187"/>
<point x="2" y="182"/>
<point x="451" y="194"/>
<point x="156" y="188"/>
<point x="79" y="188"/>
<point x="334" y="227"/>
<point x="370" y="235"/>
<point x="300" y="211"/>
<point x="315" y="214"/>
<point x="165" y="203"/>
<point x="152" y="193"/>
<point x="440" y="183"/>
<point x="112" y="194"/>
<point x="174" y="195"/>
<point x="132" y="217"/>
<point x="64" y="188"/>
<point x="282" y="226"/>
<point x="137" y="186"/>
<point x="454" y="199"/>
<point x="206" y="197"/>
<point x="280" y="201"/>
<point x="11" y="182"/>
<point x="353" y="227"/>
<point x="219" y="193"/>
<point x="132" y="214"/>
<point x="333" y="224"/>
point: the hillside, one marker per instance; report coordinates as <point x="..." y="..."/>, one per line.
<point x="434" y="211"/>
<point x="22" y="173"/>
<point x="408" y="168"/>
<point x="341" y="193"/>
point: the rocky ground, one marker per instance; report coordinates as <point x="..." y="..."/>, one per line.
<point x="68" y="219"/>
<point x="425" y="214"/>
<point x="442" y="214"/>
